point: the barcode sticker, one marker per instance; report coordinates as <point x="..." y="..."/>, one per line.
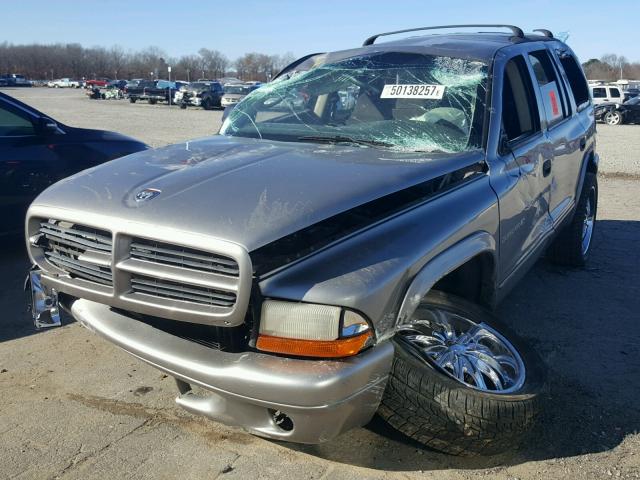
<point x="433" y="92"/>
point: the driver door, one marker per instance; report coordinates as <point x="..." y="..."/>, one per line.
<point x="520" y="176"/>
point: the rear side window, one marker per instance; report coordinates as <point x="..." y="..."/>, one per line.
<point x="576" y="78"/>
<point x="554" y="101"/>
<point x="599" y="92"/>
<point x="615" y="93"/>
<point x="520" y="117"/>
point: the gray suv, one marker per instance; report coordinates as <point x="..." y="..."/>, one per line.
<point x="336" y="250"/>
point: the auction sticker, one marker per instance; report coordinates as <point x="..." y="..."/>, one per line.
<point x="434" y="92"/>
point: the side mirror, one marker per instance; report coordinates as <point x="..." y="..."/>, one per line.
<point x="503" y="146"/>
<point x="46" y="126"/>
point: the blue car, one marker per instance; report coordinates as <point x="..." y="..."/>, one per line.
<point x="36" y="151"/>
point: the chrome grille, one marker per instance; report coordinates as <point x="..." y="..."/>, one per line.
<point x="80" y="251"/>
<point x="179" y="291"/>
<point x="203" y="280"/>
<point x="174" y="255"/>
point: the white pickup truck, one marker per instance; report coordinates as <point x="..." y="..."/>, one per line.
<point x="64" y="83"/>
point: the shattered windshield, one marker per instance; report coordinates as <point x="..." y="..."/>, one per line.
<point x="402" y="101"/>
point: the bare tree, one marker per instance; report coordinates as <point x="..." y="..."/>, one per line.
<point x="73" y="60"/>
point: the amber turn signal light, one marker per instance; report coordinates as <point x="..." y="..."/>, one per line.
<point x="342" y="347"/>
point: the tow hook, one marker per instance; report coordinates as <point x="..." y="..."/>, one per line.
<point x="44" y="301"/>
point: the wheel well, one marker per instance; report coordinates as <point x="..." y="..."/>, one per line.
<point x="473" y="280"/>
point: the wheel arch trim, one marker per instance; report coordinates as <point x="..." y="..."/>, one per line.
<point x="441" y="265"/>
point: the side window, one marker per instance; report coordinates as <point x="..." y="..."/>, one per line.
<point x="520" y="116"/>
<point x="615" y="93"/>
<point x="13" y="125"/>
<point x="599" y="92"/>
<point x="555" y="104"/>
<point x="576" y="78"/>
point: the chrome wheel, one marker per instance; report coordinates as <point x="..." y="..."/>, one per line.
<point x="589" y="220"/>
<point x="613" y="118"/>
<point x="471" y="353"/>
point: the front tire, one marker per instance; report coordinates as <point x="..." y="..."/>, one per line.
<point x="613" y="117"/>
<point x="477" y="394"/>
<point x="572" y="246"/>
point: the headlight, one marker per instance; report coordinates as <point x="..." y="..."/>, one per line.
<point x="310" y="330"/>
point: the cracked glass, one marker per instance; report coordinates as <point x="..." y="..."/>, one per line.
<point x="431" y="104"/>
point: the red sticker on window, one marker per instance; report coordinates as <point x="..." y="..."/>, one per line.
<point x="554" y="103"/>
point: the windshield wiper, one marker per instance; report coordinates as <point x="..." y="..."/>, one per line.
<point x="345" y="139"/>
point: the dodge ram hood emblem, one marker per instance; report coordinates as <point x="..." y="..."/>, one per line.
<point x="147" y="194"/>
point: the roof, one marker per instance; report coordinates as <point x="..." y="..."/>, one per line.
<point x="481" y="46"/>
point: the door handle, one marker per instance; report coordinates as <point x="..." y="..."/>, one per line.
<point x="583" y="144"/>
<point x="546" y="168"/>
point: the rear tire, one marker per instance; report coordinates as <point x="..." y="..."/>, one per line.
<point x="427" y="403"/>
<point x="132" y="100"/>
<point x="572" y="246"/>
<point x="152" y="101"/>
<point x="206" y="104"/>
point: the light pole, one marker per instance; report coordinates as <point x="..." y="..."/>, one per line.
<point x="169" y="87"/>
<point x="188" y="76"/>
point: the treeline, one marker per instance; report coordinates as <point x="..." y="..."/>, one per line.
<point x="75" y="61"/>
<point x="611" y="67"/>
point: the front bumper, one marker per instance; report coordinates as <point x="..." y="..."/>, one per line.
<point x="322" y="398"/>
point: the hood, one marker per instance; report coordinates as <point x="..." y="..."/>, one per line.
<point x="248" y="191"/>
<point x="90" y="135"/>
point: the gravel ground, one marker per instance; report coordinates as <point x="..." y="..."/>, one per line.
<point x="74" y="406"/>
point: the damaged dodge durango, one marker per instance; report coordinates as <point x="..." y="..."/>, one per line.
<point x="336" y="250"/>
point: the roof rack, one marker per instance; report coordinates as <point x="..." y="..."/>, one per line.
<point x="545" y="32"/>
<point x="517" y="31"/>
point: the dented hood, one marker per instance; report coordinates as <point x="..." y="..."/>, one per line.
<point x="247" y="191"/>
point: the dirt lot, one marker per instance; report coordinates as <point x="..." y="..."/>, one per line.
<point x="74" y="406"/>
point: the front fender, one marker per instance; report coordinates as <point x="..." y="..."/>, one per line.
<point x="441" y="265"/>
<point x="370" y="271"/>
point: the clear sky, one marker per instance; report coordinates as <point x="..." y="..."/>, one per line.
<point x="238" y="26"/>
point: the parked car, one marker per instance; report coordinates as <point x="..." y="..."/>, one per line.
<point x="36" y="151"/>
<point x="119" y="84"/>
<point x="630" y="93"/>
<point x="606" y="93"/>
<point x="614" y="114"/>
<point x="134" y="82"/>
<point x="234" y="93"/>
<point x="324" y="259"/>
<point x="204" y="94"/>
<point x="153" y="91"/>
<point x="64" y="83"/>
<point x="15" y="80"/>
<point x="97" y="82"/>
